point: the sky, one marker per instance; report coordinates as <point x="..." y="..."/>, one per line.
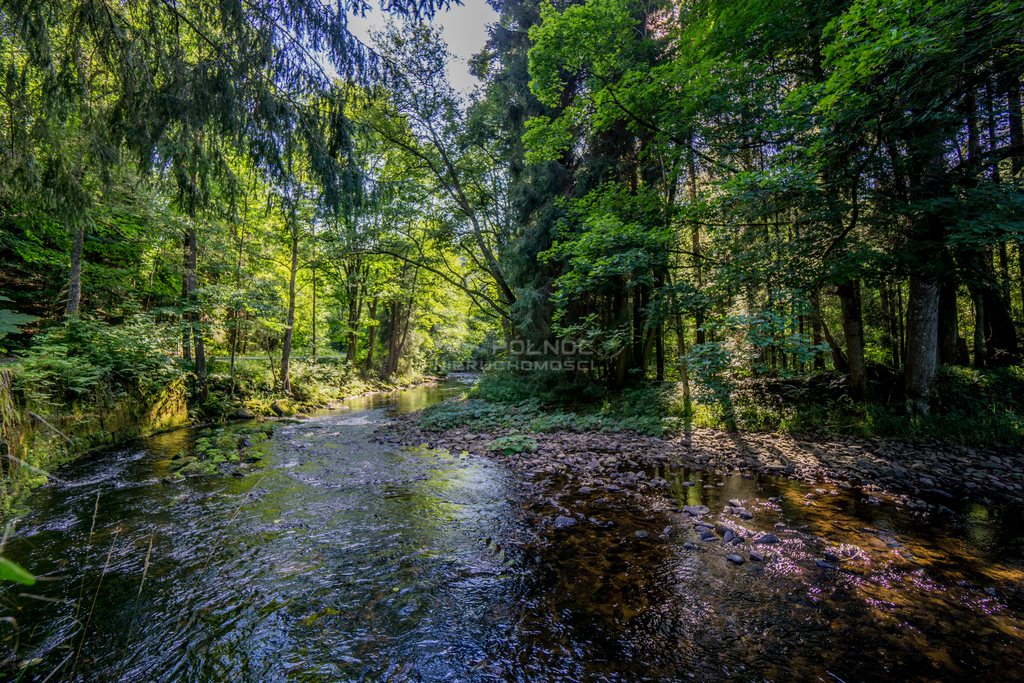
<point x="464" y="28"/>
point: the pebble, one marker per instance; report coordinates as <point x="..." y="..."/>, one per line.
<point x="696" y="510"/>
<point x="766" y="538"/>
<point x="825" y="565"/>
<point x="563" y="522"/>
<point x="735" y="559"/>
<point x="755" y="556"/>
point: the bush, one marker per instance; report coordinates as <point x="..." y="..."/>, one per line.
<point x="88" y="356"/>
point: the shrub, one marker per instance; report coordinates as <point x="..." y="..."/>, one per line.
<point x="86" y="356"/>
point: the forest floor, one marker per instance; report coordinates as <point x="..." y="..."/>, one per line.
<point x="924" y="476"/>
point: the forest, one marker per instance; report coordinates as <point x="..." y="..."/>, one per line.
<point x="663" y="219"/>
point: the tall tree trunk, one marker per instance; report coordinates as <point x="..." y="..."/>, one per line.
<point x="194" y="316"/>
<point x="853" y="333"/>
<point x="949" y="329"/>
<point x="684" y="366"/>
<point x="314" y="311"/>
<point x="398" y="330"/>
<point x="979" y="329"/>
<point x="929" y="261"/>
<point x="286" y="349"/>
<point x="891" y="335"/>
<point x="922" y="340"/>
<point x="1016" y="120"/>
<point x="995" y="333"/>
<point x="1004" y="276"/>
<point x="371" y="337"/>
<point x="622" y="361"/>
<point x="186" y="299"/>
<point x="659" y="354"/>
<point x="695" y="246"/>
<point x="816" y="335"/>
<point x="355" y="310"/>
<point x="75" y="279"/>
<point x="234" y="311"/>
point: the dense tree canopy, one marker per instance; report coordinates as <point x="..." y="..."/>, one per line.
<point x="701" y="191"/>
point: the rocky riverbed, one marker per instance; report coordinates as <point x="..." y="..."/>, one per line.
<point x="926" y="476"/>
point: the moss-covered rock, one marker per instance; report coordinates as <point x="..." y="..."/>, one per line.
<point x="223" y="449"/>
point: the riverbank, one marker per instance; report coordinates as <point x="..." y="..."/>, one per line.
<point x="921" y="476"/>
<point x="39" y="434"/>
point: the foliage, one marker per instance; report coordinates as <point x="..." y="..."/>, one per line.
<point x="639" y="410"/>
<point x="87" y="356"/>
<point x="12" y="571"/>
<point x="11" y="322"/>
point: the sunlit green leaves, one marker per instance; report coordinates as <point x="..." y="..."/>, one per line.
<point x="12" y="571"/>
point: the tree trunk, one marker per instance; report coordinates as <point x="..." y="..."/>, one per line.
<point x="1016" y="119"/>
<point x="698" y="275"/>
<point x="314" y="312"/>
<point x="949" y="329"/>
<point x="195" y="319"/>
<point x="371" y="338"/>
<point x="234" y="311"/>
<point x="355" y="313"/>
<point x="853" y="332"/>
<point x="922" y="342"/>
<point x="995" y="333"/>
<point x="816" y="336"/>
<point x="75" y="279"/>
<point x="891" y="335"/>
<point x="186" y="328"/>
<point x="979" y="329"/>
<point x="286" y="349"/>
<point x="659" y="354"/>
<point x="622" y="360"/>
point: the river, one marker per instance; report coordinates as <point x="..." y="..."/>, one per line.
<point x="343" y="559"/>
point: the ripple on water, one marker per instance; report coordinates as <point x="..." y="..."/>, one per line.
<point x="341" y="559"/>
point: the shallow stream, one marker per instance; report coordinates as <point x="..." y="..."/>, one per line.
<point x="342" y="559"/>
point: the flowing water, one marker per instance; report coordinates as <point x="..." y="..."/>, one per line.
<point x="341" y="559"/>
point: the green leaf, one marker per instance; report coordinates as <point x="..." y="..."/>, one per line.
<point x="12" y="571"/>
<point x="10" y="321"/>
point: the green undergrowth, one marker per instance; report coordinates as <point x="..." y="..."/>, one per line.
<point x="977" y="408"/>
<point x="499" y="404"/>
<point x="512" y="444"/>
<point x="224" y="449"/>
<point x="314" y="385"/>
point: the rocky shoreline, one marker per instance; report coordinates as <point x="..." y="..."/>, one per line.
<point x="928" y="477"/>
